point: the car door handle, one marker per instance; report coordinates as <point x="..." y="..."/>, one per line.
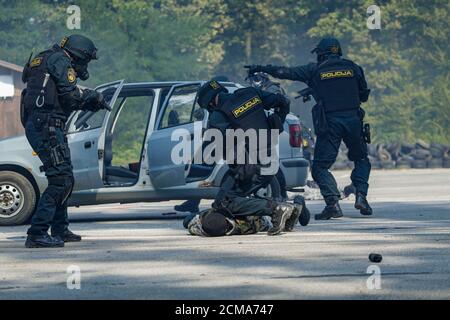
<point x="87" y="144"/>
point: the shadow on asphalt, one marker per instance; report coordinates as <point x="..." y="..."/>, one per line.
<point x="131" y="217"/>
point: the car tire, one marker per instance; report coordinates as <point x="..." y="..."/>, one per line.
<point x="446" y="163"/>
<point x="388" y="164"/>
<point x="419" y="164"/>
<point x="403" y="164"/>
<point x="376" y="164"/>
<point x="273" y="191"/>
<point x="17" y="198"/>
<point x="435" y="163"/>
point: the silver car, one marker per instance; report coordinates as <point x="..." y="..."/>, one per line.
<point x="124" y="156"/>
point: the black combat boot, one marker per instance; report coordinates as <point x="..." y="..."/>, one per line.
<point x="305" y="215"/>
<point x="332" y="210"/>
<point x="280" y="215"/>
<point x="300" y="213"/>
<point x="362" y="205"/>
<point x="43" y="241"/>
<point x="292" y="221"/>
<point x="68" y="236"/>
<point x="188" y="206"/>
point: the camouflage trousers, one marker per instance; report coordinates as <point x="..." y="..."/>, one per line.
<point x="237" y="226"/>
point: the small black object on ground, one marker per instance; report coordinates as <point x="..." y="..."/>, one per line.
<point x="375" y="257"/>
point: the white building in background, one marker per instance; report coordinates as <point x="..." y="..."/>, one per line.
<point x="11" y="86"/>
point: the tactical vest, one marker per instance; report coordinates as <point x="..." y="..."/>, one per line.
<point x="38" y="98"/>
<point x="336" y="85"/>
<point x="244" y="110"/>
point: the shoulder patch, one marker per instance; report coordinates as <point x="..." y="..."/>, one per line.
<point x="71" y="75"/>
<point x="63" y="42"/>
<point x="214" y="85"/>
<point x="336" y="74"/>
<point x="36" y="62"/>
<point x="239" y="111"/>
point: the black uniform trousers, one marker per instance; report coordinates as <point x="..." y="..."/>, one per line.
<point x="342" y="126"/>
<point x="51" y="210"/>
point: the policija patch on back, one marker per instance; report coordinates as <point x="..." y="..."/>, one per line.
<point x="71" y="75"/>
<point x="336" y="74"/>
<point x="243" y="108"/>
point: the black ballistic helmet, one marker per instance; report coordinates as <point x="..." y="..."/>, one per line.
<point x="80" y="47"/>
<point x="214" y="223"/>
<point x="208" y="91"/>
<point x="328" y="46"/>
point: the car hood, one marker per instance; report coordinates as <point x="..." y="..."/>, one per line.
<point x="16" y="143"/>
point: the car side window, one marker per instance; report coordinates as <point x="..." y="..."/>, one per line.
<point x="94" y="122"/>
<point x="180" y="107"/>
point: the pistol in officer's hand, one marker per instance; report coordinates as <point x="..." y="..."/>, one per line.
<point x="252" y="69"/>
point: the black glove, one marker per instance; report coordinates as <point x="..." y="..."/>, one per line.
<point x="102" y="103"/>
<point x="252" y="69"/>
<point x="94" y="101"/>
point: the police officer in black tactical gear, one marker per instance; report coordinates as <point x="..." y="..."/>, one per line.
<point x="245" y="109"/>
<point x="261" y="80"/>
<point x="48" y="100"/>
<point x="339" y="87"/>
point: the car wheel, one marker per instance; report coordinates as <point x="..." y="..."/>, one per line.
<point x="272" y="191"/>
<point x="17" y="198"/>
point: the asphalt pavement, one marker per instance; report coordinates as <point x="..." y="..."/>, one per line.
<point x="141" y="251"/>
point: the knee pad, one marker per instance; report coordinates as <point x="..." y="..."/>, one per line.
<point x="60" y="187"/>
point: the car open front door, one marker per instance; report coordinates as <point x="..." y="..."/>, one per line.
<point x="85" y="136"/>
<point x="178" y="117"/>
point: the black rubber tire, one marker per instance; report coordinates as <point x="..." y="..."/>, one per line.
<point x="435" y="163"/>
<point x="421" y="154"/>
<point x="419" y="164"/>
<point x="388" y="164"/>
<point x="446" y="163"/>
<point x="376" y="164"/>
<point x="407" y="148"/>
<point x="28" y="193"/>
<point x="275" y="190"/>
<point x="403" y="164"/>
<point x="274" y="186"/>
<point x="340" y="166"/>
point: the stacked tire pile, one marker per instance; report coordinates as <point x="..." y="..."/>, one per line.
<point x="401" y="155"/>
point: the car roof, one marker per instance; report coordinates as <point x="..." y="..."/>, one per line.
<point x="164" y="84"/>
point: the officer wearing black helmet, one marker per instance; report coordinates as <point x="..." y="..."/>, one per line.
<point x="339" y="88"/>
<point x="49" y="98"/>
<point x="233" y="199"/>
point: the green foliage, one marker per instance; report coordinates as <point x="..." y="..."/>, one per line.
<point x="406" y="62"/>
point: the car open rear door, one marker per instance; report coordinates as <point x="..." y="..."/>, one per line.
<point x="178" y="112"/>
<point x="86" y="140"/>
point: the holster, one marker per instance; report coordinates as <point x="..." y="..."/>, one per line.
<point x="319" y="119"/>
<point x="365" y="126"/>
